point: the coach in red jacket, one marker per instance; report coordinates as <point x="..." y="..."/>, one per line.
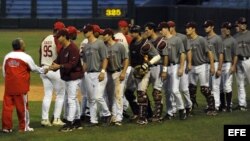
<point x="16" y="71"/>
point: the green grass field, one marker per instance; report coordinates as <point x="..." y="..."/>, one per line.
<point x="197" y="128"/>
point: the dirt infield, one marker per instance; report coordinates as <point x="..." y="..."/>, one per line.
<point x="35" y="93"/>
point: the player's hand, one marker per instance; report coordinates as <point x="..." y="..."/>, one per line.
<point x="46" y="71"/>
<point x="163" y="76"/>
<point x="54" y="66"/>
<point x="101" y="76"/>
<point x="189" y="67"/>
<point x="180" y="71"/>
<point x="122" y="76"/>
<point x="212" y="70"/>
<point x="232" y="70"/>
<point x="218" y="73"/>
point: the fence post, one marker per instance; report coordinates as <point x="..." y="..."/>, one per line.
<point x="94" y="8"/>
<point x="64" y="8"/>
<point x="3" y="8"/>
<point x="33" y="9"/>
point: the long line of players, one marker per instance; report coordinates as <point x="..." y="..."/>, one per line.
<point x="175" y="62"/>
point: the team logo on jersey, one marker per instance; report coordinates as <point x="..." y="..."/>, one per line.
<point x="66" y="55"/>
<point x="13" y="63"/>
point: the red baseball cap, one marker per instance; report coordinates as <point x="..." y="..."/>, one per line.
<point x="171" y="23"/>
<point x="123" y="23"/>
<point x="72" y="30"/>
<point x="59" y="25"/>
<point x="62" y="32"/>
<point x="96" y="28"/>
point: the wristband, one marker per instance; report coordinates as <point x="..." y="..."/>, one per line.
<point x="103" y="71"/>
<point x="164" y="69"/>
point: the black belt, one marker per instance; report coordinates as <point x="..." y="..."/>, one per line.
<point x="243" y="58"/>
<point x="170" y="64"/>
<point x="91" y="71"/>
<point x="114" y="71"/>
<point x="227" y="61"/>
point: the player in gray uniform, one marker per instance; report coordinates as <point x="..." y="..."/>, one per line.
<point x="215" y="43"/>
<point x="175" y="69"/>
<point x="95" y="60"/>
<point x="201" y="55"/>
<point x="157" y="73"/>
<point x="142" y="53"/>
<point x="187" y="66"/>
<point x="228" y="67"/>
<point x="116" y="72"/>
<point x="243" y="67"/>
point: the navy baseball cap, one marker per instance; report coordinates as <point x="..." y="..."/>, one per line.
<point x="242" y="20"/>
<point x="208" y="23"/>
<point x="191" y="24"/>
<point x="135" y="29"/>
<point x="227" y="25"/>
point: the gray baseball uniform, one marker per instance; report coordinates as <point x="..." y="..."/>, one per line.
<point x="171" y="85"/>
<point x="243" y="67"/>
<point x="93" y="55"/>
<point x="115" y="88"/>
<point x="215" y="44"/>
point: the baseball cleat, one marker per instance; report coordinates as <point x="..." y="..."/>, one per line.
<point x="45" y="122"/>
<point x="58" y="122"/>
<point x="7" y="130"/>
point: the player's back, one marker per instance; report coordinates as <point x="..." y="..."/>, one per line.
<point x="48" y="50"/>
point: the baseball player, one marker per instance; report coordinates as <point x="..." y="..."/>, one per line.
<point x="142" y="53"/>
<point x="187" y="66"/>
<point x="85" y="115"/>
<point x="228" y="67"/>
<point x="215" y="43"/>
<point x="175" y="68"/>
<point x="116" y="73"/>
<point x="16" y="72"/>
<point x="243" y="67"/>
<point x="95" y="63"/>
<point x="123" y="37"/>
<point x="48" y="53"/>
<point x="158" y="72"/>
<point x="201" y="55"/>
<point x="77" y="121"/>
<point x="68" y="61"/>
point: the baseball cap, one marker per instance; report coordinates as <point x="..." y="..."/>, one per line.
<point x="208" y="23"/>
<point x="62" y="32"/>
<point x="59" y="25"/>
<point x="163" y="25"/>
<point x="171" y="23"/>
<point x="191" y="24"/>
<point x="72" y="30"/>
<point x="135" y="29"/>
<point x="227" y="25"/>
<point x="123" y="23"/>
<point x="88" y="28"/>
<point x="96" y="28"/>
<point x="108" y="31"/>
<point x="242" y="20"/>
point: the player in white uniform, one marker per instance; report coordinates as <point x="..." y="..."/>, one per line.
<point x="48" y="53"/>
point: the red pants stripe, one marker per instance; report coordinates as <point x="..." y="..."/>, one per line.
<point x="21" y="104"/>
